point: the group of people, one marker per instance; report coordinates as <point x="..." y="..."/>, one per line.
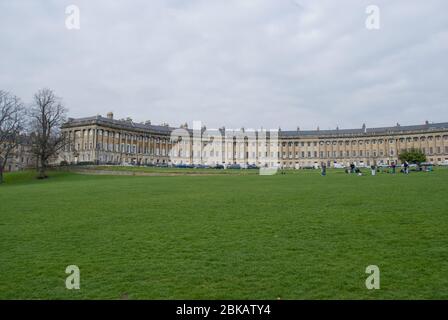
<point x="353" y="169"/>
<point x="393" y="168"/>
<point x="373" y="169"/>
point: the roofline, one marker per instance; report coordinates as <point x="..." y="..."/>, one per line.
<point x="338" y="133"/>
<point x="396" y="130"/>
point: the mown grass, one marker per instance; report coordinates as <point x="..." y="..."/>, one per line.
<point x="293" y="236"/>
<point x="183" y="171"/>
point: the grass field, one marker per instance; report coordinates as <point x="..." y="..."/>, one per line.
<point x="293" y="236"/>
<point x="183" y="171"/>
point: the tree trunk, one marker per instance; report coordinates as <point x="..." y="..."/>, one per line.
<point x="41" y="170"/>
<point x="2" y="168"/>
<point x="41" y="173"/>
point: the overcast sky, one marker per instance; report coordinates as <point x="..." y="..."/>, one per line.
<point x="251" y="63"/>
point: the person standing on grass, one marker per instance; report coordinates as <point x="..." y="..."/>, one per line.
<point x="323" y="169"/>
<point x="406" y="167"/>
<point x="373" y="169"/>
<point x="393" y="167"/>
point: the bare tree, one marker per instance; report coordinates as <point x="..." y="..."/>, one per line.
<point x="11" y="125"/>
<point x="47" y="114"/>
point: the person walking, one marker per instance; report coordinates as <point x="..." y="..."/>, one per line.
<point x="373" y="170"/>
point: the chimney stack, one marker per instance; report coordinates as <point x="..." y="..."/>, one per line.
<point x="110" y="115"/>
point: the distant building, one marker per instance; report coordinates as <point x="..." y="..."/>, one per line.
<point x="105" y="140"/>
<point x="22" y="157"/>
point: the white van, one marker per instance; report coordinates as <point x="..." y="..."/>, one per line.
<point x="338" y="165"/>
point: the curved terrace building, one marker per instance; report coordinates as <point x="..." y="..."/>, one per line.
<point x="105" y="140"/>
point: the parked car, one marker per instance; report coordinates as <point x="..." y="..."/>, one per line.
<point x="187" y="166"/>
<point x="308" y="167"/>
<point x="234" y="166"/>
<point x="162" y="165"/>
<point x="126" y="164"/>
<point x="218" y="166"/>
<point x="252" y="166"/>
<point x="201" y="166"/>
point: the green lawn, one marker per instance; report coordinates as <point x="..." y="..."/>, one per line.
<point x="293" y="236"/>
<point x="183" y="171"/>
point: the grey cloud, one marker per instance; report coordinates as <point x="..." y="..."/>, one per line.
<point x="236" y="63"/>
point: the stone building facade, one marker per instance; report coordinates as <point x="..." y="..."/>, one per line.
<point x="108" y="141"/>
<point x="21" y="158"/>
<point x="105" y="140"/>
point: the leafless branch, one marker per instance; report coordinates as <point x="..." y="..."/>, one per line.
<point x="12" y="120"/>
<point x="47" y="115"/>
